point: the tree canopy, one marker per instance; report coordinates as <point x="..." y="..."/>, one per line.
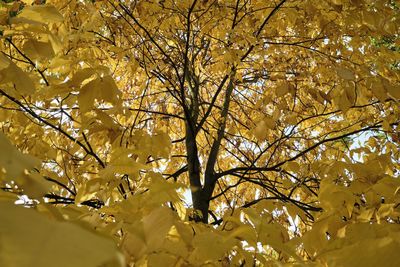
<point x="199" y="133"/>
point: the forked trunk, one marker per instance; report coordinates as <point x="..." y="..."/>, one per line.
<point x="200" y="207"/>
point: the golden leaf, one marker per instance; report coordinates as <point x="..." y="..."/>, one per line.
<point x="41" y="13"/>
<point x="345" y="73"/>
<point x="46" y="242"/>
<point x="11" y="73"/>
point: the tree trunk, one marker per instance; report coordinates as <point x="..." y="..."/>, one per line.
<point x="201" y="194"/>
<point x="200" y="205"/>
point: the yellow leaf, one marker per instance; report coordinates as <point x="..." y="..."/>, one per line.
<point x="350" y="94"/>
<point x="269" y="122"/>
<point x="204" y="252"/>
<point x="156" y="225"/>
<point x="103" y="88"/>
<point x="393" y="90"/>
<point x="149" y="234"/>
<point x="163" y="191"/>
<point x="11" y="73"/>
<point x="344" y="102"/>
<point x="365" y="215"/>
<point x="161" y="144"/>
<point x="134" y="241"/>
<point x="291" y="119"/>
<point x="14" y="162"/>
<point x="371" y="19"/>
<point x="81" y="76"/>
<point x="4" y="62"/>
<point x="378" y="244"/>
<point x="88" y="190"/>
<point x="272" y="234"/>
<point x="185" y="232"/>
<point x="282" y="89"/>
<point x="385" y="210"/>
<point x="161" y="259"/>
<point x="377" y="88"/>
<point x="38" y="50"/>
<point x="260" y="131"/>
<point x="34" y="185"/>
<point x="336" y="198"/>
<point x="387" y="187"/>
<point x="345" y="73"/>
<point x="41" y="13"/>
<point x="7" y="196"/>
<point x="31" y="239"/>
<point x="55" y="43"/>
<point x="292" y="166"/>
<point x="105" y="119"/>
<point x="386" y="126"/>
<point x="245" y="232"/>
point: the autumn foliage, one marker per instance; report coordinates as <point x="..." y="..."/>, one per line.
<point x="199" y="133"/>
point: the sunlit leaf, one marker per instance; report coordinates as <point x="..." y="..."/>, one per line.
<point x="28" y="238"/>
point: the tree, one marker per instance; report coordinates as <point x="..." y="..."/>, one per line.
<point x="279" y="117"/>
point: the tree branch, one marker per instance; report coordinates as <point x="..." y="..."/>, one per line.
<point x="57" y="128"/>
